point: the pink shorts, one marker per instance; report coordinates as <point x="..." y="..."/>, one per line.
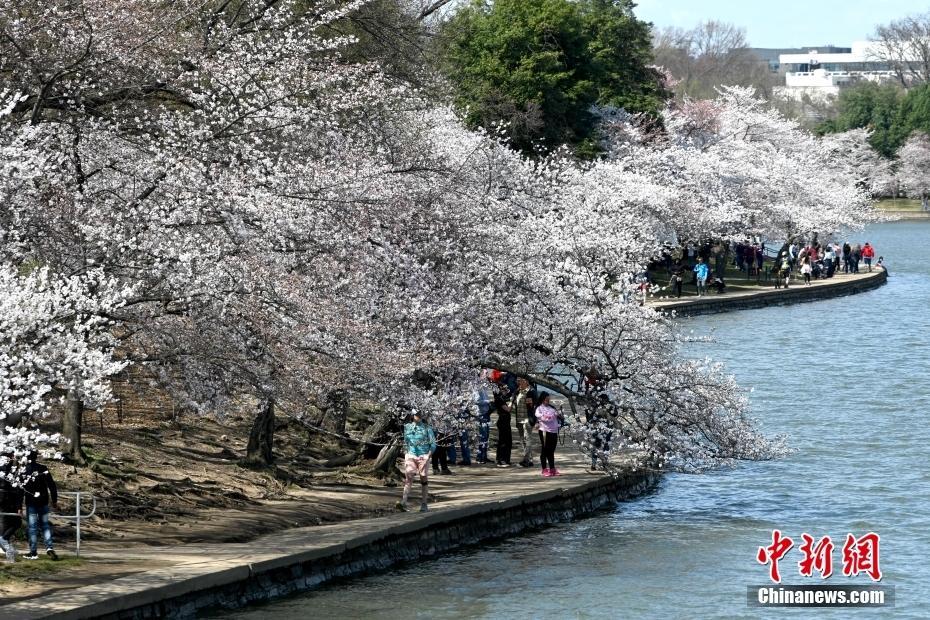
<point x="416" y="465"/>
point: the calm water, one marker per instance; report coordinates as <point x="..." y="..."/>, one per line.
<point x="847" y="379"/>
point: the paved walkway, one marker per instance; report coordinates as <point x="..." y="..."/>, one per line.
<point x="178" y="569"/>
<point x="769" y="294"/>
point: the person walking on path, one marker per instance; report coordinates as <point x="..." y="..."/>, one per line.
<point x="868" y="253"/>
<point x="783" y="272"/>
<point x="11" y="502"/>
<point x="701" y="272"/>
<point x="548" y="419"/>
<point x="855" y="257"/>
<point x="847" y="257"/>
<point x="523" y="407"/>
<point x="420" y="443"/>
<point x="41" y="496"/>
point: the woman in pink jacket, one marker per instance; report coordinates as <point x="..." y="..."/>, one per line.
<point x="548" y="420"/>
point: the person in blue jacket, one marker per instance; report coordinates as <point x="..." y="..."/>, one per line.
<point x="701" y="273"/>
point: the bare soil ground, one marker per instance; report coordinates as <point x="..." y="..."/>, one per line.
<point x="169" y="483"/>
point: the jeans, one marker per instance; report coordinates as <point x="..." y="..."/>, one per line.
<point x="484" y="431"/>
<point x="701" y="286"/>
<point x="37" y="517"/>
<point x="466" y="450"/>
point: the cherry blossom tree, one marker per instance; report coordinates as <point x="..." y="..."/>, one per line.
<point x="852" y="156"/>
<point x="914" y="167"/>
<point x="273" y="221"/>
<point x="53" y="342"/>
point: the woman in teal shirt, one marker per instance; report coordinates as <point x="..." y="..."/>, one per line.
<point x="420" y="443"/>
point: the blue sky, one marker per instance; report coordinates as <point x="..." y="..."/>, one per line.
<point x="785" y="23"/>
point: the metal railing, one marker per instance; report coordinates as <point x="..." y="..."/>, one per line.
<point x="76" y="517"/>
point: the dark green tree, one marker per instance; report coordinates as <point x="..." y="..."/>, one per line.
<point x="535" y="67"/>
<point x="913" y="114"/>
<point x="873" y="106"/>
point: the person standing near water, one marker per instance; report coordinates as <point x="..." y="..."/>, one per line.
<point x="523" y="407"/>
<point x="548" y="419"/>
<point x="502" y="404"/>
<point x="868" y="253"/>
<point x="701" y="272"/>
<point x="677" y="273"/>
<point x="420" y="442"/>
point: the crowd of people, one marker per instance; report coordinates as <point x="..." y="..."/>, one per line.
<point x="39" y="496"/>
<point x="448" y="443"/>
<point x="816" y="261"/>
<point x="704" y="265"/>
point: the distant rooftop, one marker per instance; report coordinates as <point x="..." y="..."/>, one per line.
<point x="771" y="54"/>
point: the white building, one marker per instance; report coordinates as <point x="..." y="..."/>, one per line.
<point x="820" y="75"/>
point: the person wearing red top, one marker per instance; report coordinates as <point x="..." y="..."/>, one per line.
<point x="868" y="253"/>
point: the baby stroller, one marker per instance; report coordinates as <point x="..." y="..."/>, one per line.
<point x="818" y="270"/>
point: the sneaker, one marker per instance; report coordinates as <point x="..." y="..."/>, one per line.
<point x="32" y="556"/>
<point x="424" y="508"/>
<point x="445" y="472"/>
<point x="555" y="472"/>
<point x="51" y="553"/>
<point x="546" y="473"/>
<point x="401" y="506"/>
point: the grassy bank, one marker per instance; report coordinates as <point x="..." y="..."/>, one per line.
<point x="898" y="204"/>
<point x="31" y="570"/>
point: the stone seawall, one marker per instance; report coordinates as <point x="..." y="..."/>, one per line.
<point x="375" y="548"/>
<point x="798" y="293"/>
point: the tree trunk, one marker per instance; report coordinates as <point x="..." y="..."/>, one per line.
<point x="387" y="457"/>
<point x="71" y="423"/>
<point x="336" y="408"/>
<point x="261" y="437"/>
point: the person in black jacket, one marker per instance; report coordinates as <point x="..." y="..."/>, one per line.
<point x="40" y="491"/>
<point x="11" y="501"/>
<point x="502" y="405"/>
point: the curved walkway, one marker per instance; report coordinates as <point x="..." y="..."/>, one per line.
<point x="476" y="504"/>
<point x="838" y="286"/>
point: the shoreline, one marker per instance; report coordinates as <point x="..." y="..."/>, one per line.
<point x="840" y="285"/>
<point x="478" y="505"/>
<point x="475" y="507"/>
